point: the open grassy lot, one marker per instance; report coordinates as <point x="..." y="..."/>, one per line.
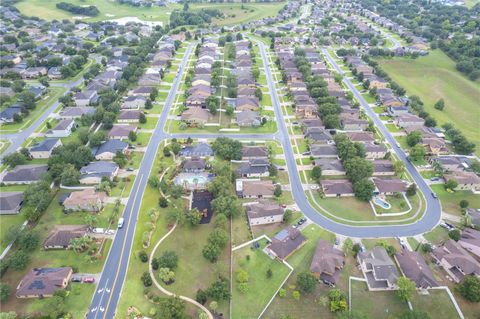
<point x="7" y="222"/>
<point x="46" y="9"/>
<point x="450" y="201"/>
<point x="433" y="77"/>
<point x="437" y="236"/>
<point x="241" y="13"/>
<point x="260" y="288"/>
<point x="437" y="304"/>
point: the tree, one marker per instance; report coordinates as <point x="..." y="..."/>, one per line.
<point x="439" y="105"/>
<point x="272" y="170"/>
<point x="166" y="275"/>
<point x="358" y="168"/>
<point x="406" y="288"/>
<point x="338" y="300"/>
<point x="142" y="119"/>
<point x="90" y="220"/>
<point x="282" y="293"/>
<point x="97" y="138"/>
<point x="412" y="189"/>
<point x="242" y="276"/>
<point x="146" y="279"/>
<point x="193" y="216"/>
<point x="451" y="184"/>
<point x="155" y="263"/>
<point x="287" y="216"/>
<point x="364" y="189"/>
<point x="469" y="288"/>
<point x="214" y="306"/>
<point x="316" y="173"/>
<point x="4" y="292"/>
<point x="19" y="260"/>
<point x="417" y="152"/>
<point x="162" y="202"/>
<point x="176" y="191"/>
<point x="132" y="136"/>
<point x="413" y="138"/>
<point x="277" y="191"/>
<point x="454" y="234"/>
<point x="37" y="196"/>
<point x="120" y="159"/>
<point x="306" y="281"/>
<point x="463" y="204"/>
<point x="172" y="308"/>
<point x="28" y="100"/>
<point x="142" y="255"/>
<point x="14" y="159"/>
<point x="70" y="175"/>
<point x="269" y="273"/>
<point x="201" y="296"/>
<point x="220" y="289"/>
<point x="28" y="240"/>
<point x="169" y="259"/>
<point x="230" y="206"/>
<point x="227" y="148"/>
<point x="398" y="167"/>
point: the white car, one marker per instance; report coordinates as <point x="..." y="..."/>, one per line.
<point x="98" y="230"/>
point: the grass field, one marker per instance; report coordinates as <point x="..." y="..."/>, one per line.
<point x="450" y="201"/>
<point x="433" y="77"/>
<point x="46" y="9"/>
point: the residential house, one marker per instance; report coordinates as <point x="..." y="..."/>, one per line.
<point x="366" y="137"/>
<point x="86" y="98"/>
<point x="194" y="165"/>
<point x="9" y="113"/>
<point x="406" y="120"/>
<point x="466" y="180"/>
<point x="63" y="129"/>
<point x="389" y="186"/>
<point x="70" y="113"/>
<point x="327" y="263"/>
<point x="197" y="150"/>
<point x="43" y="282"/>
<point x="330" y="166"/>
<point x="378" y="268"/>
<point x="414" y="267"/>
<point x="134" y="102"/>
<point x="470" y="240"/>
<point x="375" y="151"/>
<point x="318" y="135"/>
<point x="94" y="172"/>
<point x="108" y="149"/>
<point x="254" y="152"/>
<point x="61" y="236"/>
<point x="285" y="242"/>
<point x="85" y="200"/>
<point x="129" y="116"/>
<point x="25" y="174"/>
<point x="383" y="168"/>
<point x="254" y="168"/>
<point x="34" y="72"/>
<point x="10" y="202"/>
<point x="323" y="151"/>
<point x="195" y="116"/>
<point x="449" y="163"/>
<point x="397" y="110"/>
<point x="254" y="188"/>
<point x="121" y="131"/>
<point x="474" y="215"/>
<point x="435" y="146"/>
<point x="456" y="261"/>
<point x="264" y="212"/>
<point x="144" y="91"/>
<point x="244" y="103"/>
<point x="248" y="118"/>
<point x="44" y="148"/>
<point x="337" y="188"/>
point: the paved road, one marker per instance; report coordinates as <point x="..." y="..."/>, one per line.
<point x="105" y="299"/>
<point x="17" y="139"/>
<point x="433" y="210"/>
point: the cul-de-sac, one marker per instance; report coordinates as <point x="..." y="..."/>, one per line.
<point x="239" y="159"/>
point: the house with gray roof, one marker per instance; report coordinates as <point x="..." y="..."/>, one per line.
<point x="8" y="114"/>
<point x="470" y="240"/>
<point x="379" y="269"/>
<point x="44" y="148"/>
<point x="254" y="168"/>
<point x="414" y="267"/>
<point x="63" y="129"/>
<point x="70" y="113"/>
<point x="107" y="150"/>
<point x="95" y="171"/>
<point x="10" y="202"/>
<point x="254" y="152"/>
<point x="198" y="150"/>
<point x="330" y="166"/>
<point x="264" y="212"/>
<point x="323" y="151"/>
<point x="194" y="165"/>
<point x="336" y="187"/>
<point x="389" y="186"/>
<point x="248" y="118"/>
<point x="86" y="98"/>
<point x="383" y="168"/>
<point x="456" y="261"/>
<point x="25" y="174"/>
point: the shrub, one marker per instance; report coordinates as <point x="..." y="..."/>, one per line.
<point x="143" y="256"/>
<point x="146" y="279"/>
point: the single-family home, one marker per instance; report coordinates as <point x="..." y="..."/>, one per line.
<point x="121" y="131"/>
<point x="456" y="261"/>
<point x="10" y="202"/>
<point x="254" y="188"/>
<point x="63" y="129"/>
<point x="470" y="240"/>
<point x="254" y="152"/>
<point x="337" y="187"/>
<point x="85" y="200"/>
<point x="366" y="137"/>
<point x="61" y="235"/>
<point x="330" y="166"/>
<point x="195" y="116"/>
<point x="378" y="268"/>
<point x="198" y="150"/>
<point x="406" y="120"/>
<point x="327" y="263"/>
<point x="86" y="98"/>
<point x="383" y="168"/>
<point x="194" y="165"/>
<point x="413" y="266"/>
<point x="389" y="186"/>
<point x="9" y="113"/>
<point x="94" y="172"/>
<point x="323" y="151"/>
<point x="466" y="180"/>
<point x="134" y="102"/>
<point x="264" y="212"/>
<point x="285" y="243"/>
<point x="70" y="113"/>
<point x="43" y="282"/>
<point x="25" y="174"/>
<point x="248" y="118"/>
<point x="374" y="151"/>
<point x="129" y="116"/>
<point x="44" y="148"/>
<point x="257" y="167"/>
<point x="108" y="149"/>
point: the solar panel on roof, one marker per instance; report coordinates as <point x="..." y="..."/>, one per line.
<point x="37" y="284"/>
<point x="282" y="235"/>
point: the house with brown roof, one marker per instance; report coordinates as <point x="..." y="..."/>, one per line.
<point x="456" y="261"/>
<point x="285" y="243"/>
<point x="470" y="240"/>
<point x="129" y="116"/>
<point x="366" y="137"/>
<point x="254" y="188"/>
<point x="466" y="180"/>
<point x="337" y="187"/>
<point x="43" y="282"/>
<point x="264" y="212"/>
<point x="389" y="186"/>
<point x="327" y="263"/>
<point x="194" y="165"/>
<point x="254" y="152"/>
<point x="435" y="146"/>
<point x="406" y="120"/>
<point x="85" y="200"/>
<point x="374" y="151"/>
<point x="61" y="236"/>
<point x="383" y="168"/>
<point x="121" y="131"/>
<point x="244" y="103"/>
<point x="195" y="116"/>
<point x="414" y="267"/>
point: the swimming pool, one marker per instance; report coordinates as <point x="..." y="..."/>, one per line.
<point x="193" y="180"/>
<point x="380" y="202"/>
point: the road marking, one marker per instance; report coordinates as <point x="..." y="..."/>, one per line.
<point x="124" y="242"/>
<point x="101" y="298"/>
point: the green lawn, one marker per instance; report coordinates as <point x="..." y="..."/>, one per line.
<point x="437" y="304"/>
<point x="437" y="236"/>
<point x="46" y="9"/>
<point x="260" y="288"/>
<point x="376" y="304"/>
<point x="433" y="77"/>
<point x="7" y="222"/>
<point x="450" y="201"/>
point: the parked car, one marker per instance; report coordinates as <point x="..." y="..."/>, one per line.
<point x="337" y="241"/>
<point x="76" y="279"/>
<point x="130" y="169"/>
<point x="88" y="280"/>
<point x="98" y="230"/>
<point x="434" y="195"/>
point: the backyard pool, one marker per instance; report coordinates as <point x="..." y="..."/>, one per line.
<point x="193" y="180"/>
<point x="382" y="203"/>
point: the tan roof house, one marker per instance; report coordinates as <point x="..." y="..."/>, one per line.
<point x="85" y="200"/>
<point x="43" y="282"/>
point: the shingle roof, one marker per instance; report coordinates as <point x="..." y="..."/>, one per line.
<point x="43" y="281"/>
<point x="10" y="200"/>
<point x="26" y="173"/>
